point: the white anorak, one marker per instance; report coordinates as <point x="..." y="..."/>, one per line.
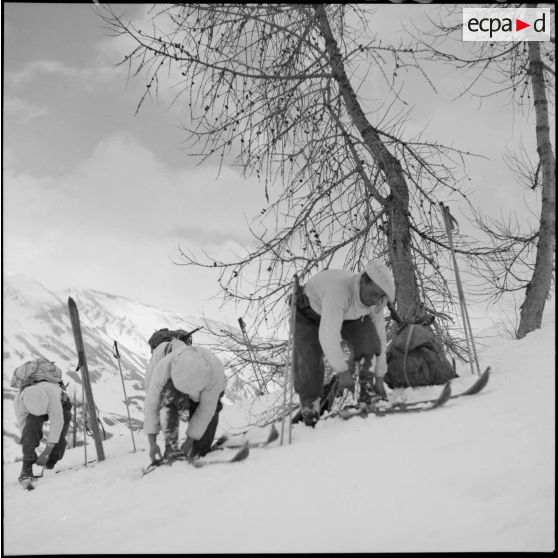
<point x="195" y="371"/>
<point x="335" y="295"/>
<point x="42" y="398"/>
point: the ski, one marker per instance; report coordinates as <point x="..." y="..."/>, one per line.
<point x="82" y="364"/>
<point x="240" y="455"/>
<point x="476" y="387"/>
<point x="379" y="410"/>
<point x="199" y="462"/>
<point x="479" y="384"/>
<point x="228" y="442"/>
<point x="73" y="467"/>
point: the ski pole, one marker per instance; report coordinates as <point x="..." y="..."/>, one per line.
<point x="117" y="356"/>
<point x="463" y="308"/>
<point x="259" y="378"/>
<point x="287" y="386"/>
<point x="84" y="410"/>
<point x="74" y="430"/>
<point x="464" y="313"/>
<point x="291" y="393"/>
<point x="293" y="355"/>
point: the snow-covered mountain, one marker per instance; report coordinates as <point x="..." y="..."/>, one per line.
<point x="36" y="323"/>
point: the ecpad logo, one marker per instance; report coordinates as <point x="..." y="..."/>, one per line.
<point x="506" y="24"/>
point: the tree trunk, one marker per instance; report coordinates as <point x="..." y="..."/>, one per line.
<point x="539" y="286"/>
<point x="398" y="227"/>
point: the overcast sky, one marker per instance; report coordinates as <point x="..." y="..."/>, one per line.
<point x="95" y="196"/>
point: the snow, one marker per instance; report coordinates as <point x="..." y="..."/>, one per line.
<point x="475" y="475"/>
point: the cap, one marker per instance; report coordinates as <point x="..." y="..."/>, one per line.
<point x="379" y="272"/>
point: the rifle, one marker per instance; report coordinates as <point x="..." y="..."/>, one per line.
<point x="185" y="335"/>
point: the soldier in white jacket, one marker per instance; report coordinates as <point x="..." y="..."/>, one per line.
<point x="33" y="406"/>
<point x="333" y="305"/>
<point x="186" y="378"/>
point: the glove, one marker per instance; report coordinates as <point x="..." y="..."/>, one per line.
<point x="43" y="458"/>
<point x="345" y="380"/>
<point x="328" y="395"/>
<point x="154" y="450"/>
<point x="187" y="448"/>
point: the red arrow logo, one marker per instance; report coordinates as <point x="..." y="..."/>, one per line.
<point x="519" y="25"/>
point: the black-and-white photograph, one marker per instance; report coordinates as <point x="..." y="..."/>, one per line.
<point x="278" y="278"/>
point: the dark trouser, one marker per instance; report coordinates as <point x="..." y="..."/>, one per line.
<point x="173" y="404"/>
<point x="33" y="434"/>
<point x="308" y="372"/>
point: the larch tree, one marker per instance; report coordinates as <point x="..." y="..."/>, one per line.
<point x="523" y="253"/>
<point x="280" y="90"/>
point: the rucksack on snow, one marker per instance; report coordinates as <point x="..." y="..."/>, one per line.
<point x="36" y="370"/>
<point x="414" y="358"/>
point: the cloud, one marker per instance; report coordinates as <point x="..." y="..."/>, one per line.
<point x="123" y="205"/>
<point x="92" y="76"/>
<point x="170" y="84"/>
<point x="215" y="237"/>
<point x="22" y="110"/>
<point x="116" y="224"/>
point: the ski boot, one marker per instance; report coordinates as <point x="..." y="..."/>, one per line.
<point x="310" y="412"/>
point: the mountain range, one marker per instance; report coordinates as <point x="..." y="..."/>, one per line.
<point x="36" y="323"/>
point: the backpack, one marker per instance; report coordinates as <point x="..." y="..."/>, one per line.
<point x="165" y="334"/>
<point x="181" y="335"/>
<point x="414" y="358"/>
<point x="36" y="370"/>
<point x="160" y="336"/>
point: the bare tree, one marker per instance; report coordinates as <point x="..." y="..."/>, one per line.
<point x="538" y="289"/>
<point x="520" y="259"/>
<point x="277" y="89"/>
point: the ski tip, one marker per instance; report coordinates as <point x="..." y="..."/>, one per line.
<point x="444" y="395"/>
<point x="242" y="453"/>
<point x="480" y="384"/>
<point x="273" y="434"/>
<point x="148" y="469"/>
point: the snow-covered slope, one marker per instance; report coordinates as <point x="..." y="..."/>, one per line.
<point x="36" y="322"/>
<point x="474" y="475"/>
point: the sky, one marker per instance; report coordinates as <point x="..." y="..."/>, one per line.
<point x="97" y="196"/>
<point x="476" y="475"/>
